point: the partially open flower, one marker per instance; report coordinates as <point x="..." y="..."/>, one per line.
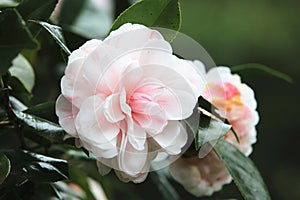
<point x="236" y="102"/>
<point x="123" y="98"/>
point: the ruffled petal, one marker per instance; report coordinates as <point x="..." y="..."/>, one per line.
<point x="66" y="113"/>
<point x="173" y="138"/>
<point x="130" y="160"/>
<point x="131" y="37"/>
<point x="92" y="125"/>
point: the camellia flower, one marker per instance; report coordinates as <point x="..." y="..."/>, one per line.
<point x="236" y="102"/>
<point x="123" y="99"/>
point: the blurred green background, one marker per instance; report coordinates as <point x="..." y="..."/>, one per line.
<point x="233" y="32"/>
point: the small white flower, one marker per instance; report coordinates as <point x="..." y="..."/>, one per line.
<point x="236" y="102"/>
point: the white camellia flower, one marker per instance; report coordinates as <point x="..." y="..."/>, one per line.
<point x="236" y="102"/>
<point x="123" y="99"/>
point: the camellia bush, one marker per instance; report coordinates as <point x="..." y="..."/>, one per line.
<point x="131" y="99"/>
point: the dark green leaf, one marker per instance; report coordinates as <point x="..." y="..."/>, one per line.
<point x="210" y="132"/>
<point x="152" y="13"/>
<point x="259" y="68"/>
<point x="243" y="171"/>
<point x="46" y="191"/>
<point x="37" y="167"/>
<point x="36" y="10"/>
<point x="16" y="104"/>
<point x="56" y="33"/>
<point x="85" y="18"/>
<point x="44" y="110"/>
<point x="9" y="3"/>
<point x="43" y="127"/>
<point x="4" y="167"/>
<point x="203" y="103"/>
<point x="14" y="36"/>
<point x="19" y="91"/>
<point x="43" y="172"/>
<point x="9" y="138"/>
<point x="207" y="106"/>
<point x="22" y="70"/>
<point x="233" y="131"/>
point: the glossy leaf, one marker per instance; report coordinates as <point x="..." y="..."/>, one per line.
<point x="44" y="110"/>
<point x="46" y="191"/>
<point x="211" y="132"/>
<point x="56" y="33"/>
<point x="19" y="91"/>
<point x="243" y="171"/>
<point x="207" y="106"/>
<point x="43" y="127"/>
<point x="85" y="18"/>
<point x="43" y="171"/>
<point x="260" y="69"/>
<point x="14" y="37"/>
<point x="22" y="70"/>
<point x="152" y="13"/>
<point x="9" y="3"/>
<point x="36" y="10"/>
<point x="37" y="167"/>
<point x="4" y="167"/>
<point x="16" y="104"/>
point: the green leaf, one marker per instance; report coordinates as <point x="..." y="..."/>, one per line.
<point x="37" y="167"/>
<point x="46" y="191"/>
<point x="243" y="171"/>
<point x="43" y="171"/>
<point x="22" y="70"/>
<point x="259" y="68"/>
<point x="4" y="167"/>
<point x="19" y="91"/>
<point x="44" y="110"/>
<point x="9" y="138"/>
<point x="233" y="131"/>
<point x="56" y="33"/>
<point x="152" y="13"/>
<point x="211" y="131"/>
<point x="36" y="10"/>
<point x="9" y="3"/>
<point x="85" y="18"/>
<point x="42" y="127"/>
<point x="206" y="105"/>
<point x="14" y="37"/>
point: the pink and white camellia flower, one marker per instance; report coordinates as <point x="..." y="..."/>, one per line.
<point x="123" y="99"/>
<point x="236" y="102"/>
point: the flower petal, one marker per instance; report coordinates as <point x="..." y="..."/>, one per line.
<point x="173" y="138"/>
<point x="92" y="125"/>
<point x="66" y="113"/>
<point x="131" y="37"/>
<point x="112" y="109"/>
<point x="130" y="160"/>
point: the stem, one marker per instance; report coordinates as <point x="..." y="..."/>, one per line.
<point x="8" y="108"/>
<point x="5" y="93"/>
